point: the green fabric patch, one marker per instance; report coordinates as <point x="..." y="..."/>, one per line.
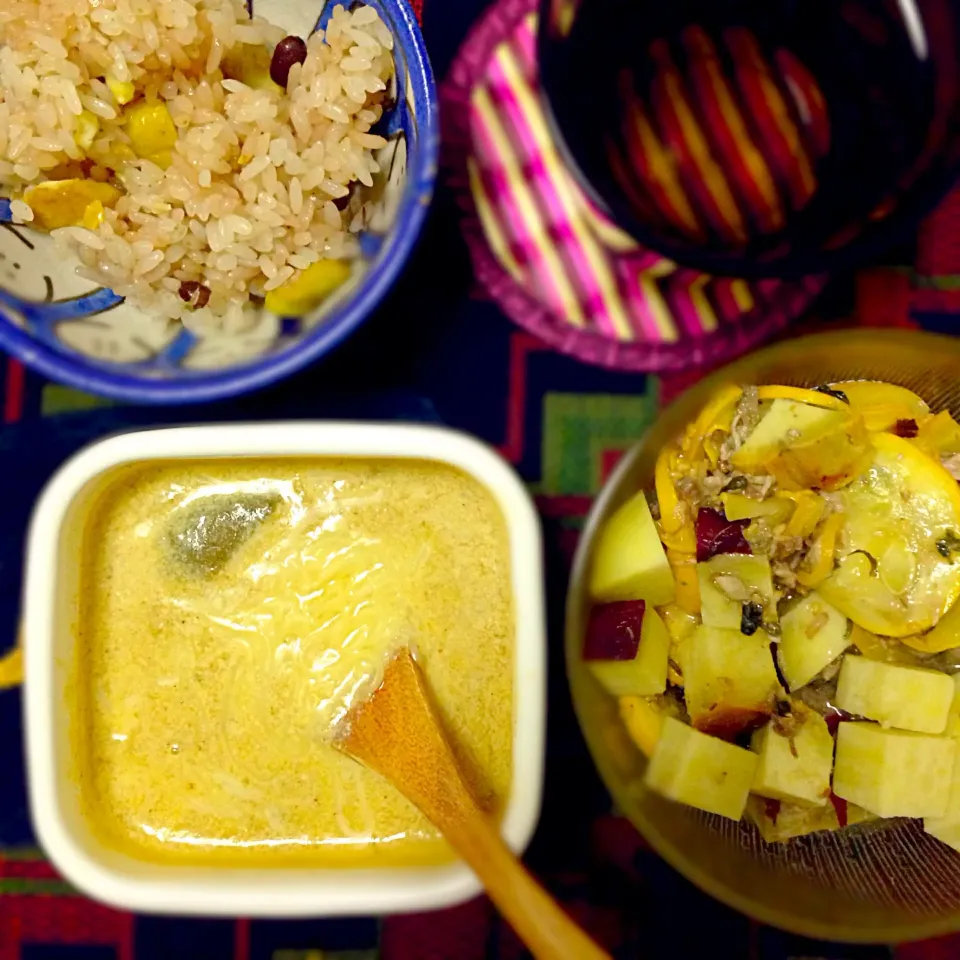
<point x="579" y="429"/>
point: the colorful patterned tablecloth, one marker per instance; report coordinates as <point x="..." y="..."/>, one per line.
<point x="436" y="352"/>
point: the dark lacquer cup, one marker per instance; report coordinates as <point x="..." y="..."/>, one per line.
<point x="758" y="137"/>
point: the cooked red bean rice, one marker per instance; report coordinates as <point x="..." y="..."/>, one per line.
<point x="248" y="198"/>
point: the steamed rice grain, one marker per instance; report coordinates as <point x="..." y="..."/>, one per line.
<point x="249" y="194"/>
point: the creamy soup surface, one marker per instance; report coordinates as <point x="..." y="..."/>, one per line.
<point x="233" y="611"/>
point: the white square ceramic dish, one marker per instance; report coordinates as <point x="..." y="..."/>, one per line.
<point x="50" y="617"/>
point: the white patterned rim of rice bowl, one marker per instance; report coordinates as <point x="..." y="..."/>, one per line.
<point x="80" y="333"/>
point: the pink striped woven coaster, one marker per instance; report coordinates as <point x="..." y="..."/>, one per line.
<point x="552" y="262"/>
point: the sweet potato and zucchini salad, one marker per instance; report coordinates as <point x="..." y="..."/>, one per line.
<point x="778" y="616"/>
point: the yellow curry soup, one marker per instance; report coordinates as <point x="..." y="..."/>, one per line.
<point x="232" y="612"/>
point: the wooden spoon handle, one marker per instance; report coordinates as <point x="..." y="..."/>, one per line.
<point x="535" y="916"/>
<point x="397" y="733"/>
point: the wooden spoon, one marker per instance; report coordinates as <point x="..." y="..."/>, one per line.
<point x="396" y="733"/>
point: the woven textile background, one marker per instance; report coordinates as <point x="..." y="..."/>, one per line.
<point x="435" y="352"/>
